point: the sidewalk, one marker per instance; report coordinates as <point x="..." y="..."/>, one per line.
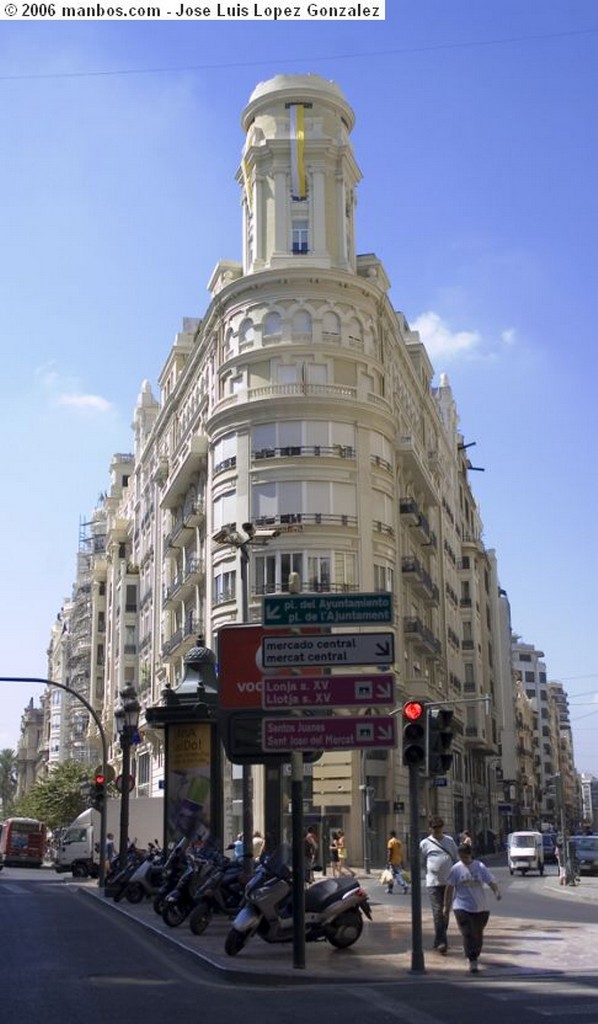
<point x="513" y="947"/>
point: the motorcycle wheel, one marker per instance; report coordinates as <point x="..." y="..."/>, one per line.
<point x="345" y="929"/>
<point x="158" y="904"/>
<point x="135" y="892"/>
<point x="199" y="919"/>
<point x="234" y="942"/>
<point x="173" y="914"/>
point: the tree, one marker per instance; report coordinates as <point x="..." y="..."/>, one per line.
<point x="57" y="799"/>
<point x="8" y="780"/>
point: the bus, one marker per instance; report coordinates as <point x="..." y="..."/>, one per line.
<point x="22" y="843"/>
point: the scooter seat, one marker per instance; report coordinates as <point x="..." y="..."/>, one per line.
<point x="322" y="893"/>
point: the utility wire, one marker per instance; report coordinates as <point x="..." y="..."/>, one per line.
<point x="403" y="51"/>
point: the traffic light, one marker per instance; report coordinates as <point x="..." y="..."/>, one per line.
<point x="440" y="738"/>
<point x="98" y="792"/>
<point x="414" y="733"/>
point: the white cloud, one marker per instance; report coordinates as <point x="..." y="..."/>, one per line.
<point x="93" y="403"/>
<point x="508" y="336"/>
<point x="66" y="391"/>
<point x="441" y="341"/>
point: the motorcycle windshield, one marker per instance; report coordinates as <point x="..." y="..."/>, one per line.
<point x="279" y="861"/>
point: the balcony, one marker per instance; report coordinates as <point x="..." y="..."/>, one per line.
<point x="423" y="637"/>
<point x="306" y="519"/>
<point x="338" y="451"/>
<point x="183" y="581"/>
<point x="183" y="639"/>
<point x="416" y="460"/>
<point x="187" y="460"/>
<point x="420" y="580"/>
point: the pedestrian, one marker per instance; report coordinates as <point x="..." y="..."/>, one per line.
<point x="258" y="844"/>
<point x="311" y="847"/>
<point x="344" y="868"/>
<point x="394" y="862"/>
<point x="465" y="890"/>
<point x="239" y="847"/>
<point x="439" y="852"/>
<point x="562" y="866"/>
<point x="465" y="838"/>
<point x="333" y="850"/>
<point x="109" y="853"/>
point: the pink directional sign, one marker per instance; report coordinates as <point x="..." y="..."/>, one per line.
<point x="328" y="691"/>
<point x="327" y="733"/>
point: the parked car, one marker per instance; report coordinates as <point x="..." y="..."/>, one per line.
<point x="586" y="852"/>
<point x="550" y="846"/>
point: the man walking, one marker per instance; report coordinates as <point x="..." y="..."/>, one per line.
<point x="439" y="853"/>
<point x="394" y="857"/>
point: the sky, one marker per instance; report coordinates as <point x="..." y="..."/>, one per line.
<point x="476" y="136"/>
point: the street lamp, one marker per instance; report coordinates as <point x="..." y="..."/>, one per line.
<point x="126" y="718"/>
<point x="242" y="539"/>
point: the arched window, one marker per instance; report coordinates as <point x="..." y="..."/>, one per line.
<point x="272" y="324"/>
<point x="302" y="324"/>
<point x="331" y="327"/>
<point x="246" y="333"/>
<point x="355" y="334"/>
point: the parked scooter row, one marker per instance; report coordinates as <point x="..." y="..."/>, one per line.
<point x="198" y="885"/>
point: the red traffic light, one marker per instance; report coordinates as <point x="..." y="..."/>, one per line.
<point x="99" y="778"/>
<point x="413" y="709"/>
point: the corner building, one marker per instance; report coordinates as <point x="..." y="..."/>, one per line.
<point x="302" y="403"/>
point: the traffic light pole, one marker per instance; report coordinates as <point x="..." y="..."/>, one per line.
<point x="95" y="716"/>
<point x="417" y="951"/>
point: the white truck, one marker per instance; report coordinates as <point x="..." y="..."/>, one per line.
<point x="78" y="850"/>
<point x="525" y="852"/>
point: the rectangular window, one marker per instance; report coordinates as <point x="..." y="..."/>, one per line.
<point x="225" y="587"/>
<point x="300" y="238"/>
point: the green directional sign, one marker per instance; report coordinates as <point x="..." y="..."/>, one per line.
<point x="327" y="609"/>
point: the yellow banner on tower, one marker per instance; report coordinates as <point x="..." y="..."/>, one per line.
<point x="298" y="181"/>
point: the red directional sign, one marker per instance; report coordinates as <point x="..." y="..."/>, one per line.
<point x="240" y="665"/>
<point x="328" y="691"/>
<point x="334" y="733"/>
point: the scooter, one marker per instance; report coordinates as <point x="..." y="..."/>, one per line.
<point x="175" y="866"/>
<point x="334" y="908"/>
<point x="180" y="901"/>
<point x="221" y="892"/>
<point x="147" y="877"/>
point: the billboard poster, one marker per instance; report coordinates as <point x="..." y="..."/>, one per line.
<point x="188" y="781"/>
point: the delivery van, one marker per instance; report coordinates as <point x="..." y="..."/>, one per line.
<point x="526" y="852"/>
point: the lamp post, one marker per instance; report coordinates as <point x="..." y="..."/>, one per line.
<point x="126" y="717"/>
<point x="242" y="540"/>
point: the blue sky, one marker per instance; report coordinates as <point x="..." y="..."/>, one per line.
<point x="476" y="136"/>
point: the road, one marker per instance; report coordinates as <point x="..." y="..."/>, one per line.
<point x="70" y="959"/>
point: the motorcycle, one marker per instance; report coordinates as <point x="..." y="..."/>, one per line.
<point x="180" y="901"/>
<point x="122" y="876"/>
<point x="334" y="908"/>
<point x="147" y="877"/>
<point x="221" y="891"/>
<point x="175" y="866"/>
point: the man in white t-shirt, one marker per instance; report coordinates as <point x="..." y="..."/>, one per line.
<point x="465" y="890"/>
<point x="439" y="853"/>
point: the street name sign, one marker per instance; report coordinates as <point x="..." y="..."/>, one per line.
<point x="328" y="609"/>
<point x="335" y="733"/>
<point x="332" y="649"/>
<point x="328" y="691"/>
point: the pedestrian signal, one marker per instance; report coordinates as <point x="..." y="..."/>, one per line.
<point x="414" y="733"/>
